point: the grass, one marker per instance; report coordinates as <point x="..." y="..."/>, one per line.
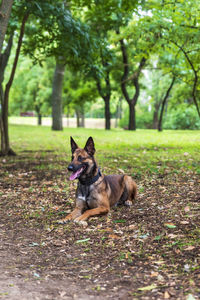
<point x="141" y="151"/>
<point x="133" y="248"/>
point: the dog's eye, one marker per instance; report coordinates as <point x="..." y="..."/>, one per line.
<point x="80" y="158"/>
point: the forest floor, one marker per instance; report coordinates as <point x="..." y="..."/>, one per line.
<point x="148" y="251"/>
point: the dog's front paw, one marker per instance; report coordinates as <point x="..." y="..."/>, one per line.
<point x="63" y="221"/>
<point x="128" y="203"/>
<point x="80" y="222"/>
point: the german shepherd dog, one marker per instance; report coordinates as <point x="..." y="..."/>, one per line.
<point x="96" y="193"/>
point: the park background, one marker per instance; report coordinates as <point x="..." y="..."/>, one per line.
<point x="136" y="62"/>
<point x="127" y="74"/>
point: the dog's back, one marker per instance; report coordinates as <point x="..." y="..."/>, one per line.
<point x="121" y="189"/>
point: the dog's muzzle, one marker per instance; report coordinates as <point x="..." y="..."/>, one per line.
<point x="76" y="171"/>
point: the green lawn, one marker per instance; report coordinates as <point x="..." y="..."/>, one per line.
<point x="137" y="152"/>
<point x="150" y="250"/>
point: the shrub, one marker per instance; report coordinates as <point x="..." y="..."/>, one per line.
<point x="183" y="117"/>
<point x="143" y="119"/>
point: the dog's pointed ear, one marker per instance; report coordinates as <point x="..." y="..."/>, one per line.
<point x="74" y="146"/>
<point x="89" y="146"/>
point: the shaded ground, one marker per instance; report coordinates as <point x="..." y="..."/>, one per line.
<point x="149" y="251"/>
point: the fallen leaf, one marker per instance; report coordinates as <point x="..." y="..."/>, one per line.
<point x="119" y="221"/>
<point x="187" y="209"/>
<point x="166" y="295"/>
<point x="148" y="288"/>
<point x="172" y="236"/>
<point x="184" y="222"/>
<point x="132" y="226"/>
<point x="122" y="171"/>
<point x="108" y="229"/>
<point x="82" y="241"/>
<point x="36" y="275"/>
<point x="170" y="225"/>
<point x="113" y="236"/>
<point x="189" y="248"/>
<point x="190" y="297"/>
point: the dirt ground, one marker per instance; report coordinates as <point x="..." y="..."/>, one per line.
<point x="148" y="251"/>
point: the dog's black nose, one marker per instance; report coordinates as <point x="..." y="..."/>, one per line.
<point x="70" y="168"/>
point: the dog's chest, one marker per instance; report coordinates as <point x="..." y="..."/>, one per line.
<point x="87" y="195"/>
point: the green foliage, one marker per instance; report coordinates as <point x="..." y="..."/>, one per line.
<point x="32" y="87"/>
<point x="143" y="121"/>
<point x="82" y="33"/>
<point x="53" y="31"/>
<point x="183" y="117"/>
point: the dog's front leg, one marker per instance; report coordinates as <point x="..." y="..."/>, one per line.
<point x="77" y="212"/>
<point x="92" y="212"/>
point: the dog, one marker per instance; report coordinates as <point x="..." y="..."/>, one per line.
<point x="96" y="193"/>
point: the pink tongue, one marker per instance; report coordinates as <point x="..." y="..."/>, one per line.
<point x="75" y="174"/>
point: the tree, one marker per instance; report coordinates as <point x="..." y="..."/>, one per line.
<point x="132" y="101"/>
<point x="32" y="88"/>
<point x="104" y="18"/>
<point x="164" y="100"/>
<point x="5" y="10"/>
<point x="5" y="145"/>
<point x="179" y="35"/>
<point x="56" y="24"/>
<point x="78" y="92"/>
<point x="57" y="96"/>
<point x="71" y="47"/>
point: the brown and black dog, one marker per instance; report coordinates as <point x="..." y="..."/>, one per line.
<point x="96" y="193"/>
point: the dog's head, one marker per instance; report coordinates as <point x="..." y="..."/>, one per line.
<point x="83" y="163"/>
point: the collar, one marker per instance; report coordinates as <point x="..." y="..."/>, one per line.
<point x="92" y="180"/>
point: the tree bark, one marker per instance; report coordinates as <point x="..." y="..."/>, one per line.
<point x="5" y="146"/>
<point x="156" y="114"/>
<point x="82" y="114"/>
<point x="77" y="118"/>
<point x="5" y="11"/>
<point x="3" y="63"/>
<point x="39" y="119"/>
<point x="132" y="119"/>
<point x="105" y="93"/>
<point x="135" y="79"/>
<point x="57" y="96"/>
<point x="37" y="109"/>
<point x="118" y="112"/>
<point x="194" y="88"/>
<point x="107" y="113"/>
<point x="164" y="103"/>
<point x="155" y="119"/>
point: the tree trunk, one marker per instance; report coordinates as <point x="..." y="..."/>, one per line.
<point x="118" y="112"/>
<point x="155" y="119"/>
<point x="82" y="114"/>
<point x="105" y="94"/>
<point x="5" y="11"/>
<point x="107" y="113"/>
<point x="77" y="118"/>
<point x="194" y="93"/>
<point x="39" y="119"/>
<point x="132" y="120"/>
<point x="57" y="96"/>
<point x="163" y="104"/>
<point x="125" y="80"/>
<point x="3" y="63"/>
<point x="67" y="115"/>
<point x="5" y="146"/>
